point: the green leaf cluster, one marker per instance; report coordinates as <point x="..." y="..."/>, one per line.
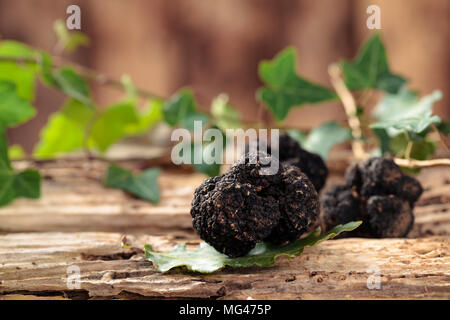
<point x="284" y="89"/>
<point x="370" y="69"/>
<point x="144" y="185"/>
<point x="403" y="119"/>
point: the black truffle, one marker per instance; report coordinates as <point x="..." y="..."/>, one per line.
<point x="246" y="205"/>
<point x="378" y="193"/>
<point x="311" y="164"/>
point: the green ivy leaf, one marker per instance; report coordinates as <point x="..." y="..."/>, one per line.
<point x="181" y="109"/>
<point x="72" y="84"/>
<point x="148" y="118"/>
<point x="27" y="184"/>
<point x="16" y="152"/>
<point x="284" y="89"/>
<point x="370" y="69"/>
<point x="113" y="124"/>
<point x="14" y="185"/>
<point x="24" y="184"/>
<point x="415" y="125"/>
<point x="207" y="260"/>
<point x="13" y="109"/>
<point x="65" y="130"/>
<point x="15" y="49"/>
<point x="405" y="113"/>
<point x="22" y="74"/>
<point x="405" y="104"/>
<point x="45" y="67"/>
<point x="225" y="116"/>
<point x="144" y="185"/>
<point x="321" y="139"/>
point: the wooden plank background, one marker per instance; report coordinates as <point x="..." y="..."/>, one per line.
<point x="79" y="222"/>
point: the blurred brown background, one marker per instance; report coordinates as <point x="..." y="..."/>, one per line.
<point x="215" y="46"/>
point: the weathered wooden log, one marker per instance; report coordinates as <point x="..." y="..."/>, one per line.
<point x="74" y="199"/>
<point x="36" y="265"/>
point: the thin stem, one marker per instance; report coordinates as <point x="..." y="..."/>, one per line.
<point x="412" y="163"/>
<point x="408" y="150"/>
<point x="349" y="104"/>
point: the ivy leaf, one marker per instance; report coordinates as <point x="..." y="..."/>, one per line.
<point x="45" y="67"/>
<point x="284" y="89"/>
<point x="22" y="74"/>
<point x="143" y="185"/>
<point x="415" y="125"/>
<point x="225" y="116"/>
<point x="113" y="124"/>
<point x="181" y="109"/>
<point x="65" y="130"/>
<point x="24" y="184"/>
<point x="148" y="118"/>
<point x="321" y="139"/>
<point x="27" y="184"/>
<point x="405" y="113"/>
<point x="72" y="84"/>
<point x="405" y="104"/>
<point x="13" y="109"/>
<point x="370" y="69"/>
<point x="15" y="49"/>
<point x="207" y="260"/>
<point x="16" y="152"/>
<point x="14" y="185"/>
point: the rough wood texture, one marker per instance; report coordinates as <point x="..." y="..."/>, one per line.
<point x="75" y="200"/>
<point x="79" y="222"/>
<point x="36" y="264"/>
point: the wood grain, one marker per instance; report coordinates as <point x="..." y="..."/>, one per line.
<point x="79" y="222"/>
<point x="35" y="265"/>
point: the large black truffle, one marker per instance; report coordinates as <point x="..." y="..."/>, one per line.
<point x="246" y="205"/>
<point x="378" y="193"/>
<point x="291" y="153"/>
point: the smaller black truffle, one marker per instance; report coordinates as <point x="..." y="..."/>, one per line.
<point x="377" y="192"/>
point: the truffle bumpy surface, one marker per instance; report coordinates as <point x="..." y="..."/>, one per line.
<point x="291" y="153"/>
<point x="234" y="211"/>
<point x="378" y="193"/>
